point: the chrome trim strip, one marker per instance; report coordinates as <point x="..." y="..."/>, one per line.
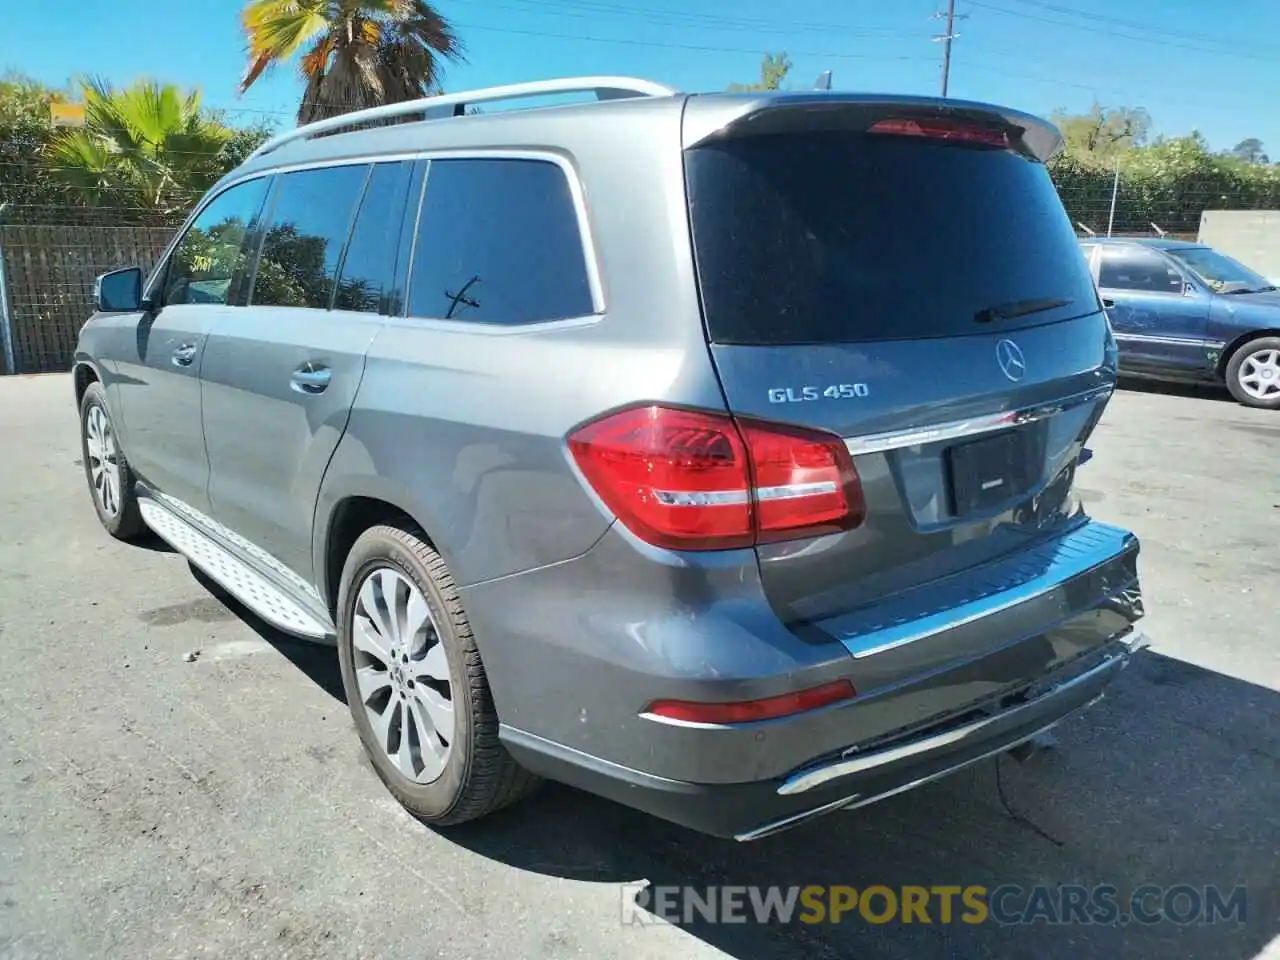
<point x="775" y="826"/>
<point x="969" y="427"/>
<point x="1178" y="341"/>
<point x="986" y="755"/>
<point x="809" y="779"/>
<point x="857" y="801"/>
<point x="590" y="252"/>
<point x="1073" y="555"/>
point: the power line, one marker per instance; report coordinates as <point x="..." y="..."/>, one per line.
<point x="1137" y="38"/>
<point x="1149" y="27"/>
<point x="668" y="17"/>
<point x="678" y="46"/>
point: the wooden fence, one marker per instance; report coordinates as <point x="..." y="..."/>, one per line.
<point x="48" y="278"/>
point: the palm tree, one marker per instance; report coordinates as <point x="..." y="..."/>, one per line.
<point x="147" y="146"/>
<point x="355" y="53"/>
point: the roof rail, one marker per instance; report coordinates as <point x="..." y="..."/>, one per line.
<point x="605" y="88"/>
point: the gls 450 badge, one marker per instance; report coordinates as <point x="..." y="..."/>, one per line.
<point x="836" y="391"/>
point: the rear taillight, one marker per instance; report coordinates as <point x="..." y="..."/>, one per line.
<point x="693" y="480"/>
<point x="939" y="129"/>
<point x="753" y="711"/>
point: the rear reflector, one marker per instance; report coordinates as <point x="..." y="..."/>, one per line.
<point x="939" y="129"/>
<point x="748" y="711"/>
<point x="696" y="480"/>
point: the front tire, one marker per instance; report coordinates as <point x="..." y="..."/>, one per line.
<point x="111" y="482"/>
<point x="416" y="685"/>
<point x="1253" y="373"/>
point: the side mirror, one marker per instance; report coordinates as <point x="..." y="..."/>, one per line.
<point x="119" y="291"/>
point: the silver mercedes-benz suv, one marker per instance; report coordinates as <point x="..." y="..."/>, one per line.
<point x="711" y="453"/>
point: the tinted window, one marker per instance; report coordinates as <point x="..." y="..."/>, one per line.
<point x="1133" y="268"/>
<point x="837" y="237"/>
<point x="498" y="242"/>
<point x="304" y="236"/>
<point x="211" y="254"/>
<point x="368" y="268"/>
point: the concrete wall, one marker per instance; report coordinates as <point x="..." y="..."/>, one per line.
<point x="1251" y="236"/>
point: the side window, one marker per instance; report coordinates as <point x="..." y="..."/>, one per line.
<point x="498" y="242"/>
<point x="368" y="269"/>
<point x="1139" y="270"/>
<point x="210" y="257"/>
<point x="304" y="235"/>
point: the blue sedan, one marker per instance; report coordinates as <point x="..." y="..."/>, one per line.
<point x="1182" y="311"/>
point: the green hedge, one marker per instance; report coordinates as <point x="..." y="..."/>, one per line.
<point x="1168" y="184"/>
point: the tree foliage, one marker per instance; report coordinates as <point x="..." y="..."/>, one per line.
<point x="149" y="145"/>
<point x="774" y="68"/>
<point x="1166" y="181"/>
<point x="1250" y="151"/>
<point x="144" y="154"/>
<point x="26" y="128"/>
<point x="1101" y="136"/>
<point x="352" y="53"/>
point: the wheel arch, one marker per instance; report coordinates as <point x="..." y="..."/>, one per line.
<point x="350" y="511"/>
<point x="1231" y="348"/>
<point x="82" y="374"/>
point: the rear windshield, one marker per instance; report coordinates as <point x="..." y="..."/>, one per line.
<point x="831" y="237"/>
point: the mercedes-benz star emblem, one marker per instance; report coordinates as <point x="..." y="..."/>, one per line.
<point x="1012" y="362"/>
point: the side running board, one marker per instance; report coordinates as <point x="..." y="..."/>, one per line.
<point x="237" y="577"/>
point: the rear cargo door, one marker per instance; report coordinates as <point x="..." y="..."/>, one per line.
<point x="904" y="277"/>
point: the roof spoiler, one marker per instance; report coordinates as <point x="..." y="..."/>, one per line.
<point x="708" y="119"/>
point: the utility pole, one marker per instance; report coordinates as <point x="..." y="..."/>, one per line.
<point x="951" y="17"/>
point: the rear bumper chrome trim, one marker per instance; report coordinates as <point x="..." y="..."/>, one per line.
<point x="857" y="800"/>
<point x="969" y="427"/>
<point x="805" y="780"/>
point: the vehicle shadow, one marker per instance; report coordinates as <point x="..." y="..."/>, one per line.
<point x="147" y="540"/>
<point x="1169" y="781"/>
<point x="317" y="661"/>
<point x="1205" y="391"/>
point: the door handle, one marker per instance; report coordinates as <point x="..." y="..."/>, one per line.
<point x="183" y="355"/>
<point x="1107" y="303"/>
<point x="310" y="378"/>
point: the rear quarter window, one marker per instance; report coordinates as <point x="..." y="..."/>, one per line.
<point x="498" y="243"/>
<point x="826" y="237"/>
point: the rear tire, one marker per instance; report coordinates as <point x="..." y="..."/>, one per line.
<point x="1253" y="373"/>
<point x="410" y="668"/>
<point x="111" y="482"/>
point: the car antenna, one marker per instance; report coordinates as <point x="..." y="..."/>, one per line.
<point x="1092" y="233"/>
<point x="824" y="81"/>
<point x="1156" y="228"/>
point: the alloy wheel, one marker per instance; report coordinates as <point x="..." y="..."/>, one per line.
<point x="402" y="674"/>
<point x="1259" y="375"/>
<point x="104" y="467"/>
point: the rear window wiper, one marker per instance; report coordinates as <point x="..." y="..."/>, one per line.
<point x="1018" y="308"/>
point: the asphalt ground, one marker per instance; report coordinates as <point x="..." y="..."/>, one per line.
<point x="155" y="807"/>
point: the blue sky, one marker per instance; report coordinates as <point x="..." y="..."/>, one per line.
<point x="1193" y="68"/>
